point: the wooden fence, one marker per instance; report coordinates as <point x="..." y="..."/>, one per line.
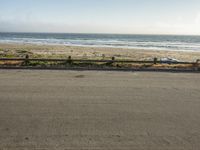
<point x="113" y="60"/>
<point x="26" y="62"/>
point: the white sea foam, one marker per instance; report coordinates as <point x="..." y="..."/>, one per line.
<point x="176" y="43"/>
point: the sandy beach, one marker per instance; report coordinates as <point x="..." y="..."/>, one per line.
<point x="61" y="51"/>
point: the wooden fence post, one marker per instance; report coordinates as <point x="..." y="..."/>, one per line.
<point x="155" y="60"/>
<point x="113" y="58"/>
<point x="70" y="60"/>
<point x="27" y="60"/>
<point x="197" y="66"/>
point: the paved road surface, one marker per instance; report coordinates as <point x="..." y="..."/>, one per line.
<point x="66" y="110"/>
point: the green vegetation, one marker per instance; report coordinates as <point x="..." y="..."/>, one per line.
<point x="9" y="55"/>
<point x="70" y="63"/>
<point x="101" y="65"/>
<point x="22" y="51"/>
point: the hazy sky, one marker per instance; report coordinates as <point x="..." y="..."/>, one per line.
<point x="101" y="16"/>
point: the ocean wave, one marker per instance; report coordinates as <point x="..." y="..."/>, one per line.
<point x="136" y="42"/>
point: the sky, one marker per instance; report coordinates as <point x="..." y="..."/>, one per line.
<point x="101" y="16"/>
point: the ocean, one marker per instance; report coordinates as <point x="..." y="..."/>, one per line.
<point x="146" y="42"/>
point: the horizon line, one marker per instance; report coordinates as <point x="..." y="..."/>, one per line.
<point x="101" y="33"/>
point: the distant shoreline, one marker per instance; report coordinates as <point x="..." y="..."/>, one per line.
<point x="101" y="33"/>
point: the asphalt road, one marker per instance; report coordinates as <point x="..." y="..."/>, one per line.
<point x="69" y="110"/>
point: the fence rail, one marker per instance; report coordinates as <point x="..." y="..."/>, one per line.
<point x="113" y="60"/>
